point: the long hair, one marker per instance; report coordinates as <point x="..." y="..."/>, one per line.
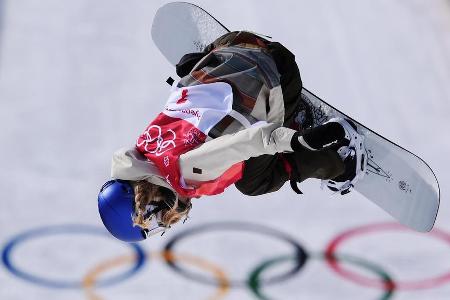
<point x="146" y="193"/>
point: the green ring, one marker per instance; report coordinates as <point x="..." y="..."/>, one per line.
<point x="255" y="284"/>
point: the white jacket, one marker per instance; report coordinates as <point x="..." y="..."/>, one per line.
<point x="213" y="157"/>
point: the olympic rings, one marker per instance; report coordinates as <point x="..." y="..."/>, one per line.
<point x="365" y="281"/>
<point x="255" y="285"/>
<point x="300" y="254"/>
<point x="219" y="279"/>
<point x="222" y="280"/>
<point x="65" y="229"/>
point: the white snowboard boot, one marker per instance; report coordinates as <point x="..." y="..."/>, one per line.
<point x="354" y="157"/>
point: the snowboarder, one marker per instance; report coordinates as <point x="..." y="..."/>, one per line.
<point x="237" y="116"/>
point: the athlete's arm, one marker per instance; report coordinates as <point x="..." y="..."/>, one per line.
<point x="213" y="158"/>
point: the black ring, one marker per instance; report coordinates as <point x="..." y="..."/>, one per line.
<point x="299" y="252"/>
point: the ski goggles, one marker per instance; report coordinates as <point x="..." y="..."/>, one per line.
<point x="155" y="222"/>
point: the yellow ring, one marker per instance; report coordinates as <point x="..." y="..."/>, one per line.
<point x="92" y="275"/>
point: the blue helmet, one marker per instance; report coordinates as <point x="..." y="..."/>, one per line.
<point x="116" y="208"/>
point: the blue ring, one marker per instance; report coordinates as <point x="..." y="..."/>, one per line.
<point x="65" y="229"/>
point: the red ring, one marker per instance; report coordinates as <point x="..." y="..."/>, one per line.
<point x="333" y="262"/>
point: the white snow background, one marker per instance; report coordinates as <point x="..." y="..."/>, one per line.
<point x="79" y="79"/>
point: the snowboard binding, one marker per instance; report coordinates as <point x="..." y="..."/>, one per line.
<point x="353" y="154"/>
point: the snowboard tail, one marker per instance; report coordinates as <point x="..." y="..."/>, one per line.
<point x="396" y="180"/>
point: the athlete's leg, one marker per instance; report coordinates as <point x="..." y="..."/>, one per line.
<point x="263" y="174"/>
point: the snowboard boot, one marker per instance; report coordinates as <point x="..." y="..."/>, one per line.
<point x="352" y="151"/>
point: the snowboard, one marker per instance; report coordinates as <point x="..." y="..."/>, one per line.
<point x="396" y="180"/>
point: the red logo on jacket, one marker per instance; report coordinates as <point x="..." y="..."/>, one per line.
<point x="183" y="98"/>
<point x="165" y="140"/>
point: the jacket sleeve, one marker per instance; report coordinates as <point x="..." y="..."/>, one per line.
<point x="213" y="158"/>
<point x="130" y="164"/>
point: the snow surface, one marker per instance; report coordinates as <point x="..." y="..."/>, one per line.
<point x="79" y="79"/>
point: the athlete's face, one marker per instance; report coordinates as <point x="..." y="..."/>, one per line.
<point x="162" y="209"/>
